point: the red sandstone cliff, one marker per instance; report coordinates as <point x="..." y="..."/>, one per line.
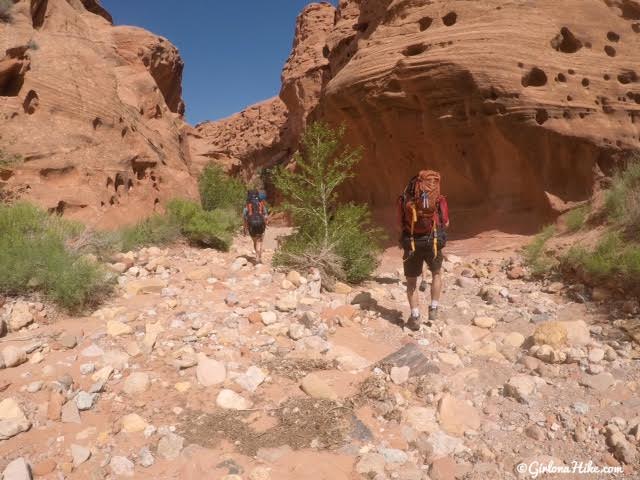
<point x="93" y="111"/>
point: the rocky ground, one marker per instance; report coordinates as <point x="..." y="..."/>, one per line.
<point x="207" y="366"/>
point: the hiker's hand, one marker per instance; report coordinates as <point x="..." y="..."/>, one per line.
<point x="447" y="224"/>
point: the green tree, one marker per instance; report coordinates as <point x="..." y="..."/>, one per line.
<point x="336" y="238"/>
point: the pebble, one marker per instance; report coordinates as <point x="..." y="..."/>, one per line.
<point x="136" y="383"/>
<point x="87" y="368"/>
<point x="210" y="372"/>
<point x="85" y="400"/>
<point x="80" y="454"/>
<point x="315" y="387"/>
<point x="400" y="375"/>
<point x="170" y="446"/>
<point x="230" y="400"/>
<point x="18" y="469"/>
<point x="145" y="457"/>
<point x="13" y="356"/>
<point x="121" y="466"/>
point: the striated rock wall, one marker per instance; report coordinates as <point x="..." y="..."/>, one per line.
<point x="521" y="105"/>
<point x="94" y="112"/>
<point x="255" y="138"/>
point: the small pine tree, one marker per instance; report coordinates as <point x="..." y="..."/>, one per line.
<point x="338" y="239"/>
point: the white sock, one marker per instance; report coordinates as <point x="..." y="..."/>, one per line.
<point x="434" y="304"/>
<point x="415" y="312"/>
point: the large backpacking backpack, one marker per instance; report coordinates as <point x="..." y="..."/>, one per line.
<point x="420" y="210"/>
<point x="255" y="213"/>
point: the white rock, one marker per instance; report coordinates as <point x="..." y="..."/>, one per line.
<point x="12" y="419"/>
<point x="84" y="400"/>
<point x="422" y="419"/>
<point x="269" y="318"/>
<point x="145" y="458"/>
<point x="121" y="466"/>
<point x="230" y="400"/>
<point x="484" y="322"/>
<point x="137" y="382"/>
<point x="210" y="372"/>
<point x="170" y="446"/>
<point x="18" y="469"/>
<point x="92" y="351"/>
<point x="400" y="375"/>
<point x="80" y="454"/>
<point x="20" y="317"/>
<point x="252" y="379"/>
<point x="13" y="356"/>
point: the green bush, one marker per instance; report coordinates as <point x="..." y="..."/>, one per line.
<point x="576" y="218"/>
<point x="214" y="228"/>
<point x="8" y="160"/>
<point x="155" y="230"/>
<point x="218" y="190"/>
<point x="34" y="256"/>
<point x="535" y="256"/>
<point x="337" y="239"/>
<point x="5" y="10"/>
<point x="623" y="197"/>
<point x="612" y="256"/>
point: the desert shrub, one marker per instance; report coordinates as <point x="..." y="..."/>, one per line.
<point x="623" y="198"/>
<point x="211" y="228"/>
<point x="336" y="238"/>
<point x="34" y="256"/>
<point x="5" y="10"/>
<point x="155" y="230"/>
<point x="535" y="255"/>
<point x="218" y="190"/>
<point x="576" y="218"/>
<point x="8" y="160"/>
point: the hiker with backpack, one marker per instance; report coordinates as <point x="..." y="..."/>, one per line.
<point x="424" y="216"/>
<point x="255" y="217"/>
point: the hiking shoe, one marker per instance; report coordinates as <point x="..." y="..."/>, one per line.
<point x="423" y="286"/>
<point x="433" y="313"/>
<point x="413" y="323"/>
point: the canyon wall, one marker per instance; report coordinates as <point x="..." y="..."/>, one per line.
<point x="91" y="114"/>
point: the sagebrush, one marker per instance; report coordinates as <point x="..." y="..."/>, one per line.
<point x="535" y="255"/>
<point x="338" y="239"/>
<point x="218" y="190"/>
<point x="576" y="218"/>
<point x="35" y="256"/>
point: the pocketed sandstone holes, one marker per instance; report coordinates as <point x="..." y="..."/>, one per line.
<point x="534" y="78"/>
<point x="607" y="76"/>
<point x="425" y="23"/>
<point x="628" y="76"/>
<point x="119" y="182"/>
<point x="613" y="37"/>
<point x="450" y="19"/>
<point x="361" y="27"/>
<point x="11" y="83"/>
<point x="571" y="71"/>
<point x="38" y="12"/>
<point x="31" y="102"/>
<point x="585" y="82"/>
<point x="636" y="27"/>
<point x="325" y="51"/>
<point x="609" y="50"/>
<point x="413" y="50"/>
<point x="541" y="116"/>
<point x="561" y="77"/>
<point x="140" y="167"/>
<point x="97" y="123"/>
<point x="566" y="42"/>
<point x="394" y="86"/>
<point x="634" y="96"/>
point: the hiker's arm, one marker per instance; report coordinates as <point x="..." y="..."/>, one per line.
<point x="444" y="207"/>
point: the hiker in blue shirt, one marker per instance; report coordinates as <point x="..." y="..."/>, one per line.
<point x="255" y="216"/>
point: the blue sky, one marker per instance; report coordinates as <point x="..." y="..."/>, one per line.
<point x="233" y="50"/>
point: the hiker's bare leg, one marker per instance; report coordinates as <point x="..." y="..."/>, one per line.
<point x="412" y="292"/>
<point x="258" y="247"/>
<point x="436" y="286"/>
